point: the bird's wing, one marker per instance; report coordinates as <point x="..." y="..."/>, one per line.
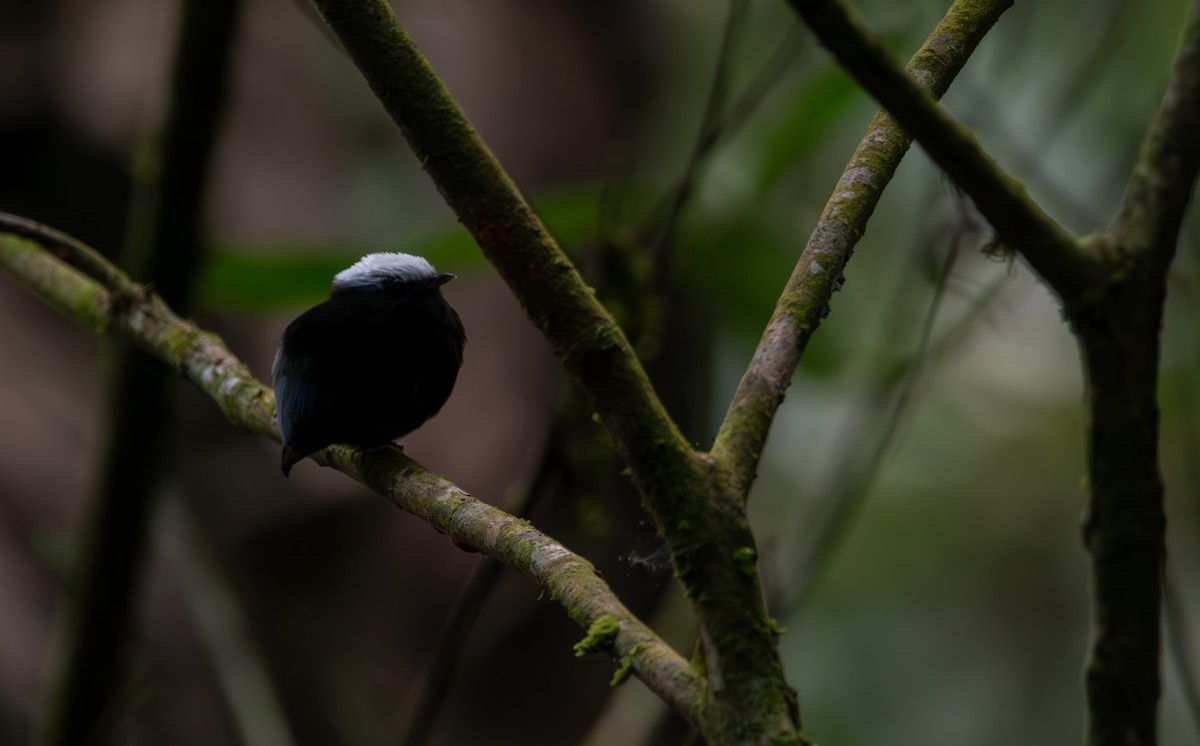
<point x="284" y="393"/>
<point x="297" y="394"/>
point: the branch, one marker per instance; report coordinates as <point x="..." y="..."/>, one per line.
<point x="698" y="514"/>
<point x="68" y="249"/>
<point x="1125" y="527"/>
<point x="583" y="334"/>
<point x="570" y="580"/>
<point x="132" y="313"/>
<point x="1018" y="221"/>
<point x="1161" y="185"/>
<point x="743" y="433"/>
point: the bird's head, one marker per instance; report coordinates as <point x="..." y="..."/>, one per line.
<point x="389" y="271"/>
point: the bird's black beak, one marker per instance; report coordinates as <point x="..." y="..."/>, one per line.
<point x="443" y="278"/>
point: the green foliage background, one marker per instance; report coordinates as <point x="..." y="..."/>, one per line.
<point x="950" y="602"/>
<point x="952" y="606"/>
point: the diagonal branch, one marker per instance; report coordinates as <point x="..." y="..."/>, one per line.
<point x="132" y="313"/>
<point x="1018" y="221"/>
<point x="743" y="433"/>
<point x="582" y="332"/>
<point x="698" y="516"/>
<point x="1162" y="182"/>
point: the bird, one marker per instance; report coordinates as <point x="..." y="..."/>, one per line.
<point x="372" y="363"/>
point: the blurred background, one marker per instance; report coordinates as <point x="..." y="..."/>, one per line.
<point x="918" y="508"/>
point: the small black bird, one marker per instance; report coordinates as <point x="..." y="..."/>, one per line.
<point x="372" y="363"/>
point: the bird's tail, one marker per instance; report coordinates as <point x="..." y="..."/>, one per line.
<point x="289" y="458"/>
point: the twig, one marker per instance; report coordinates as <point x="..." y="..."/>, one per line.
<point x="203" y="360"/>
<point x="772" y="71"/>
<point x="739" y="110"/>
<point x="440" y="671"/>
<point x="245" y="680"/>
<point x="439" y="674"/>
<point x="1019" y="222"/>
<point x="743" y="433"/>
<point x="664" y="228"/>
<point x="854" y="477"/>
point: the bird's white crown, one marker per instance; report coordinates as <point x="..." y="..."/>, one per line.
<point x="376" y="269"/>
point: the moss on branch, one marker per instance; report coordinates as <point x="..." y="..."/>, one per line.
<point x="677" y="485"/>
<point x="571" y="581"/>
<point x="600" y="636"/>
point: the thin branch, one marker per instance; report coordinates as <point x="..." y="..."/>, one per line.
<point x="854" y="477"/>
<point x="1152" y="208"/>
<point x="245" y="682"/>
<point x="743" y="433"/>
<point x="204" y="360"/>
<point x="452" y="639"/>
<point x="1018" y="221"/>
<point x="664" y="211"/>
<point x="662" y="230"/>
<point x="756" y="91"/>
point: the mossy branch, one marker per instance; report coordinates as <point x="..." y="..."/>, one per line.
<point x="1125" y="527"/>
<point x="1152" y="208"/>
<point x="799" y="310"/>
<point x="694" y="508"/>
<point x="132" y="313"/>
<point x="580" y="329"/>
<point x="1019" y="222"/>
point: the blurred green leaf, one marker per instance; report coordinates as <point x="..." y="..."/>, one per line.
<point x="804" y="127"/>
<point x="260" y="278"/>
<point x="740" y="266"/>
